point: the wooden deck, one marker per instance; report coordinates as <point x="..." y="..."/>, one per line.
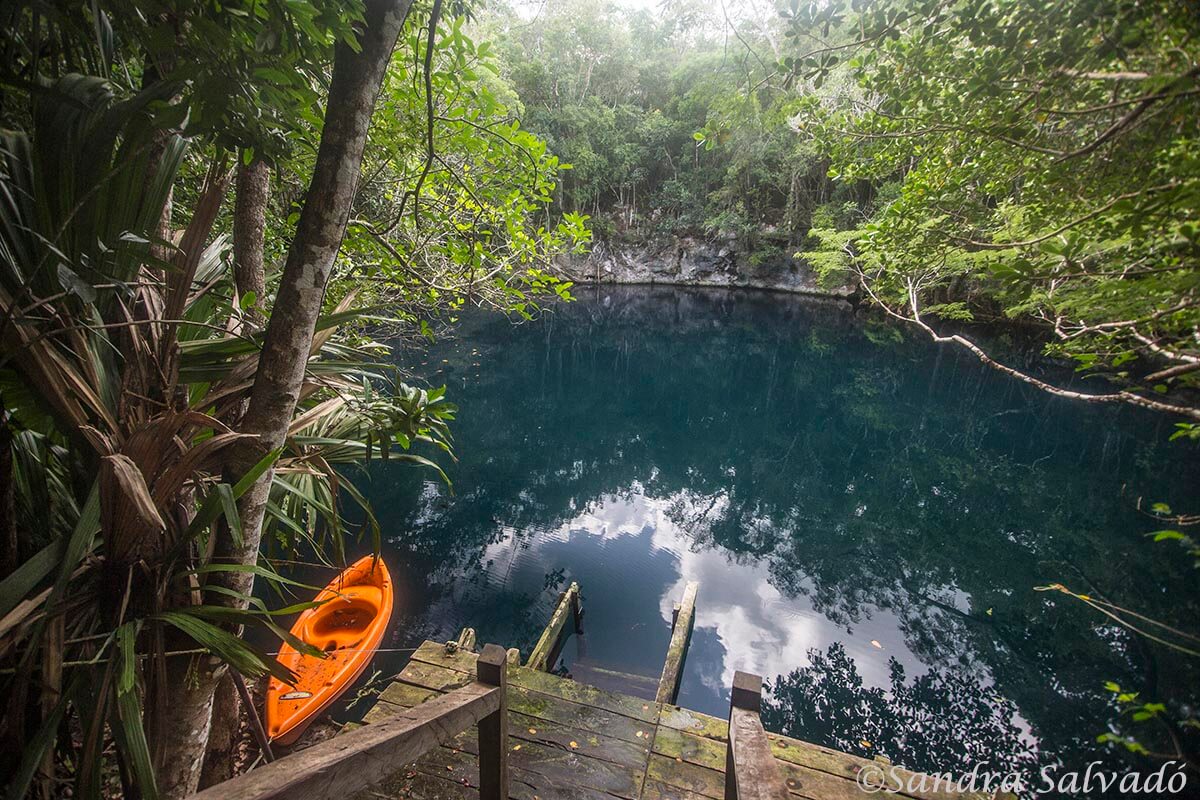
<point x="569" y="741"/>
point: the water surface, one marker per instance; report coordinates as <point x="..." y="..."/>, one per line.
<point x="867" y="514"/>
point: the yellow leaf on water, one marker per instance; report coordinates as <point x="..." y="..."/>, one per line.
<point x="876" y="644"/>
<point x="864" y="743"/>
<point x="574" y="745"/>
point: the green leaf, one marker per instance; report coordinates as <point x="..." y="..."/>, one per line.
<point x="234" y="651"/>
<point x="126" y="636"/>
<point x="131" y="739"/>
<point x="1162" y="536"/>
<point x="229" y="507"/>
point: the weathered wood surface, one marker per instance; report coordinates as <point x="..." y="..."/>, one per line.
<point x="545" y="652"/>
<point x="359" y="758"/>
<point x="751" y="770"/>
<point x="681" y="636"/>
<point x="492" y="670"/>
<point x="567" y="741"/>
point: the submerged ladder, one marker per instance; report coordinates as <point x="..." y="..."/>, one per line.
<point x="546" y="652"/>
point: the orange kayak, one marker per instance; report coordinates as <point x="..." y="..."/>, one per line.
<point x="349" y="627"/>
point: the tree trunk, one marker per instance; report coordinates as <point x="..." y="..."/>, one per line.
<point x="249" y="222"/>
<point x="252" y="189"/>
<point x="352" y="93"/>
<point x="223" y="734"/>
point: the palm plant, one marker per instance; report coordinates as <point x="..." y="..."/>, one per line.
<point x="127" y="375"/>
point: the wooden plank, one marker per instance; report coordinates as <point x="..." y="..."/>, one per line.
<point x="698" y="750"/>
<point x="694" y="722"/>
<point x="755" y="773"/>
<point x="461" y="766"/>
<point x="399" y="693"/>
<point x="431" y="655"/>
<point x="439" y="679"/>
<point x="395" y="698"/>
<point x="564" y="764"/>
<point x="681" y="637"/>
<point x="657" y="790"/>
<point x="492" y="666"/>
<point x="799" y="760"/>
<point x="681" y="774"/>
<point x="409" y="783"/>
<point x="436" y="654"/>
<point x="524" y="728"/>
<point x="577" y="715"/>
<point x="551" y="638"/>
<point x="634" y="707"/>
<point x="800" y="781"/>
<point x="357" y="759"/>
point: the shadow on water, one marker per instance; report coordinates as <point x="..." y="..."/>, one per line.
<point x="867" y="514"/>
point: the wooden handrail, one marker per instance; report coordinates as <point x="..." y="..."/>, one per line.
<point x="750" y="769"/>
<point x="682" y="622"/>
<point x="360" y="758"/>
<point x="546" y="651"/>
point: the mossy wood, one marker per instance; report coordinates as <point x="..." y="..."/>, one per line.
<point x="546" y="651"/>
<point x="569" y="741"/>
<point x="681" y="636"/>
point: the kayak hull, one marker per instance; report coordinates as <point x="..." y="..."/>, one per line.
<point x="348" y="626"/>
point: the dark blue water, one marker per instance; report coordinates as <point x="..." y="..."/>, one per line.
<point x="867" y="515"/>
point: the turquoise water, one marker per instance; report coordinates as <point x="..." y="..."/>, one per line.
<point x="867" y="515"/>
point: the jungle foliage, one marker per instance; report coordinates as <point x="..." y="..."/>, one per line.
<point x="177" y="383"/>
<point x="1041" y="159"/>
<point x="957" y="160"/>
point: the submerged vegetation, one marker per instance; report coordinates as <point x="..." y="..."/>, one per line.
<point x="213" y="214"/>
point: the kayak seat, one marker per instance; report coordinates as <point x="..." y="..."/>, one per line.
<point x="343" y="621"/>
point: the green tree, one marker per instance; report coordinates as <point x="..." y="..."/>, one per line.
<point x="170" y="407"/>
<point x="1046" y="155"/>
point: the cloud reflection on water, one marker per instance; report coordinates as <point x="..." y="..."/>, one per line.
<point x="755" y="628"/>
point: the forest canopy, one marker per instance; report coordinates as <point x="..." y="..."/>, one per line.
<point x="1008" y="161"/>
<point x="216" y="219"/>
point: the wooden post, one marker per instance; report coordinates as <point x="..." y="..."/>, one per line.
<point x="750" y="769"/>
<point x="681" y="636"/>
<point x="492" y="669"/>
<point x="577" y="610"/>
